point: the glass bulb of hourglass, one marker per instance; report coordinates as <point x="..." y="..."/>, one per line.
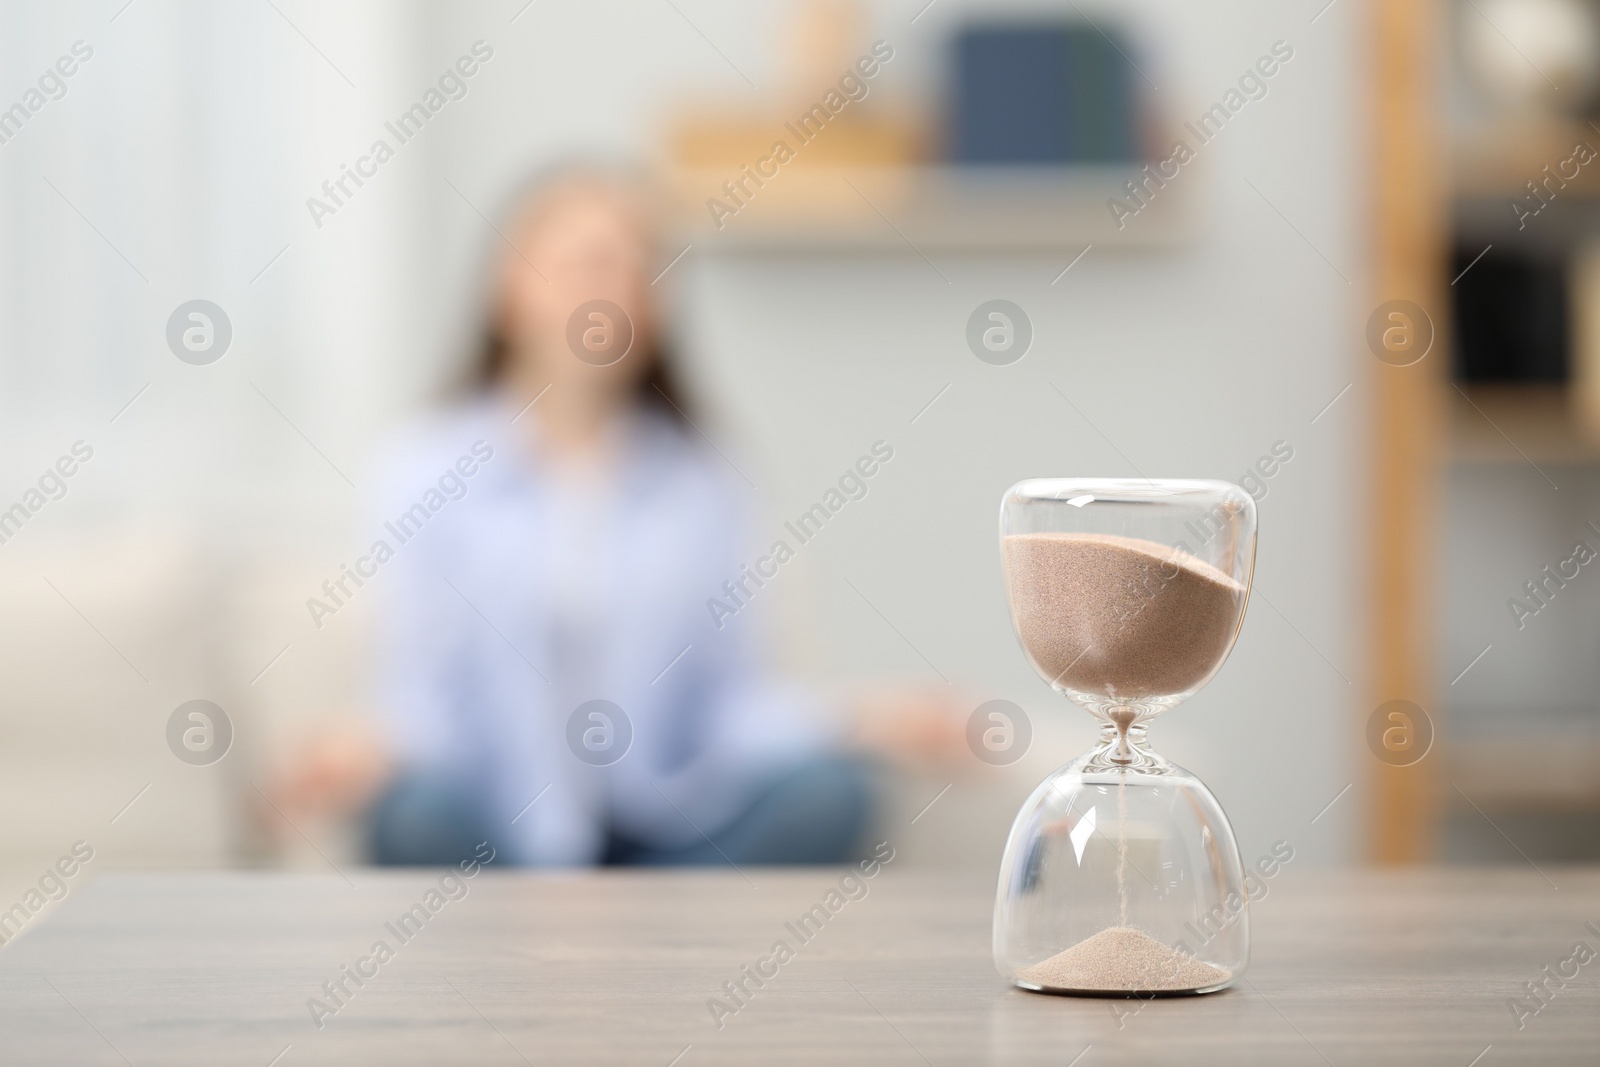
<point x="1121" y="874"/>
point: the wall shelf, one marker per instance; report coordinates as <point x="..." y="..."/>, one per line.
<point x="931" y="207"/>
<point x="1495" y="773"/>
<point x="1495" y="424"/>
<point x="1498" y="158"/>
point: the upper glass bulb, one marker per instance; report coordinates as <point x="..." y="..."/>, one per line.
<point x="1127" y="594"/>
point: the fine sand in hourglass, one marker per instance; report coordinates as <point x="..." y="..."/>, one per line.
<point x="1123" y="960"/>
<point x="1119" y="617"/>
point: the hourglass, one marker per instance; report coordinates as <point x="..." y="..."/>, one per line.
<point x="1121" y="875"/>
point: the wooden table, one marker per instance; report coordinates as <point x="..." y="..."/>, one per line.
<point x="218" y="968"/>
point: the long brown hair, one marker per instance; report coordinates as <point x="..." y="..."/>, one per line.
<point x="657" y="389"/>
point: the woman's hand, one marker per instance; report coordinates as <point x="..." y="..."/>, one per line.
<point x="920" y="724"/>
<point x="333" y="772"/>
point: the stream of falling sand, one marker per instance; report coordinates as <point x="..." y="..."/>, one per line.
<point x="1122" y="718"/>
<point x="1122" y="848"/>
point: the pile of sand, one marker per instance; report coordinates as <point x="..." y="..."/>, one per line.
<point x="1123" y="959"/>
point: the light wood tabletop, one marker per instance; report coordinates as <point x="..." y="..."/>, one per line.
<point x="1413" y="967"/>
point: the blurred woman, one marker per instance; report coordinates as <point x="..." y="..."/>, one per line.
<point x="551" y="677"/>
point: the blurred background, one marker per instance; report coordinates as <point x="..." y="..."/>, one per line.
<point x="1183" y="327"/>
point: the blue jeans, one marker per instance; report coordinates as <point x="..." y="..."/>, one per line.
<point x="813" y="813"/>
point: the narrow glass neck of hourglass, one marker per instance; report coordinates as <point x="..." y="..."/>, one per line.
<point x="1120" y="749"/>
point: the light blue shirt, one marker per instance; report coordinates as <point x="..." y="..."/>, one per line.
<point x="511" y="599"/>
